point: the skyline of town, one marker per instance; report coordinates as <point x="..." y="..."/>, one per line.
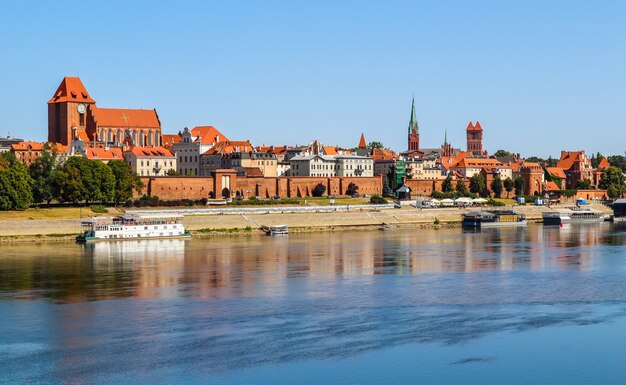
<point x="340" y="70"/>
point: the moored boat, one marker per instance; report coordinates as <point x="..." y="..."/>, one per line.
<point x="572" y="215"/>
<point x="493" y="218"/>
<point x="276" y="230"/>
<point x="132" y="227"/>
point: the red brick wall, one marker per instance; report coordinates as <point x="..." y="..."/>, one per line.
<point x="590" y="194"/>
<point x="423" y="186"/>
<point x="179" y="187"/>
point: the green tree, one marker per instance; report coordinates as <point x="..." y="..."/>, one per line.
<point x="377" y="145"/>
<point x="15" y="184"/>
<point x="172" y="172"/>
<point x="502" y="153"/>
<point x="508" y="186"/>
<point x="446" y="186"/>
<point x="612" y="179"/>
<point x="461" y="188"/>
<point x="477" y="183"/>
<point x="126" y="181"/>
<point x="596" y="159"/>
<point x="42" y="170"/>
<point x="519" y="186"/>
<point x="583" y="184"/>
<point x="496" y="186"/>
<point x="535" y="159"/>
<point x="68" y="184"/>
<point x="103" y="187"/>
<point x="617" y="161"/>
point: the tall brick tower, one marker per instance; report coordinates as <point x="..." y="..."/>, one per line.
<point x="67" y="111"/>
<point x="475" y="138"/>
<point x="414" y="130"/>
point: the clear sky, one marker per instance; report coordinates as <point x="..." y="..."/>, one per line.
<point x="540" y="76"/>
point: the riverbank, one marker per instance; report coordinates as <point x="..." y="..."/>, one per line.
<point x="56" y="230"/>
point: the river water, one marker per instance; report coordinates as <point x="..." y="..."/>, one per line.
<point x="516" y="306"/>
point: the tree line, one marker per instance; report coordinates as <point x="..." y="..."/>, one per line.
<point x="74" y="181"/>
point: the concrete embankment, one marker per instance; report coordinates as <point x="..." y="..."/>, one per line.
<point x="63" y="229"/>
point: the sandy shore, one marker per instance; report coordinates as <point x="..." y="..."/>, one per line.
<point x="67" y="229"/>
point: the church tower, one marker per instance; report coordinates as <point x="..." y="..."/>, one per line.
<point x="475" y="138"/>
<point x="67" y="111"/>
<point x="414" y="130"/>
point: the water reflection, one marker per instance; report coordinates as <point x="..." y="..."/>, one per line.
<point x="230" y="303"/>
<point x="260" y="266"/>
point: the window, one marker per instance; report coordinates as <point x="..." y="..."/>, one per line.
<point x="81" y="119"/>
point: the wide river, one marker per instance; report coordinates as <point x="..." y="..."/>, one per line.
<point x="424" y="306"/>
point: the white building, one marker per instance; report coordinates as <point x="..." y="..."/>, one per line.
<point x="328" y="166"/>
<point x="194" y="143"/>
<point x="150" y="161"/>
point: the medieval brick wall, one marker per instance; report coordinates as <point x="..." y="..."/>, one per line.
<point x="188" y="187"/>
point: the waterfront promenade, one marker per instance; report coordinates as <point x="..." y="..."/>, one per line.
<point x="357" y="216"/>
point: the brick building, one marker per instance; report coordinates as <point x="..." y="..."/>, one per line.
<point x="72" y="113"/>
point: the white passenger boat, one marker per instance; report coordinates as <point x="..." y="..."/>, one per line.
<point x="573" y="215"/>
<point x="132" y="227"/>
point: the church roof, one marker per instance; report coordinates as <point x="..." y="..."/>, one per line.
<point x="472" y="127"/>
<point x="126" y="118"/>
<point x="413" y="125"/>
<point x="362" y="143"/>
<point x="71" y="89"/>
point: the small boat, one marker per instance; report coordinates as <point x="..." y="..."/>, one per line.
<point x="493" y="218"/>
<point x="132" y="227"/>
<point x="276" y="230"/>
<point x="572" y="215"/>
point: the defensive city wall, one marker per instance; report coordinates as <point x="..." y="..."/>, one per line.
<point x="228" y="183"/>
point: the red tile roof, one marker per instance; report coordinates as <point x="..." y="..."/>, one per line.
<point x="568" y="158"/>
<point x="362" y="143"/>
<point x="272" y="149"/>
<point x="229" y="147"/>
<point x="26" y="146"/>
<point x="125" y="118"/>
<point x="604" y="163"/>
<point x="82" y="135"/>
<point x="169" y="139"/>
<point x="71" y="89"/>
<point x="384" y="154"/>
<point x="157" y="151"/>
<point x="104" y="154"/>
<point x="472" y="127"/>
<point x="556" y="171"/>
<point x="330" y="150"/>
<point x="551" y="186"/>
<point x="208" y="135"/>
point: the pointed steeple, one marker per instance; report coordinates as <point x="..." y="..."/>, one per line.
<point x="413" y="126"/>
<point x="362" y="143"/>
<point x="445" y="138"/>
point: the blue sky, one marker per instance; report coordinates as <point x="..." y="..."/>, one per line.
<point x="540" y="76"/>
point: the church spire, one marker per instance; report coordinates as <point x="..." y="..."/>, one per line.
<point x="445" y="137"/>
<point x="413" y="126"/>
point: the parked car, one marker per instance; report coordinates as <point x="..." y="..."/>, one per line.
<point x="355" y="195"/>
<point x="276" y="197"/>
<point x="331" y="196"/>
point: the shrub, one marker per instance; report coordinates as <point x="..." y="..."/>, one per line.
<point x="437" y="221"/>
<point x="494" y="202"/>
<point x="99" y="209"/>
<point x="377" y="200"/>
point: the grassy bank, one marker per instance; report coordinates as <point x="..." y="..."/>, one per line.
<point x="45" y="213"/>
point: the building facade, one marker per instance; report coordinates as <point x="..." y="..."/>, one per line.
<point x="150" y="161"/>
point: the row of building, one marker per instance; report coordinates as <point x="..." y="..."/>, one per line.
<point x="78" y="127"/>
